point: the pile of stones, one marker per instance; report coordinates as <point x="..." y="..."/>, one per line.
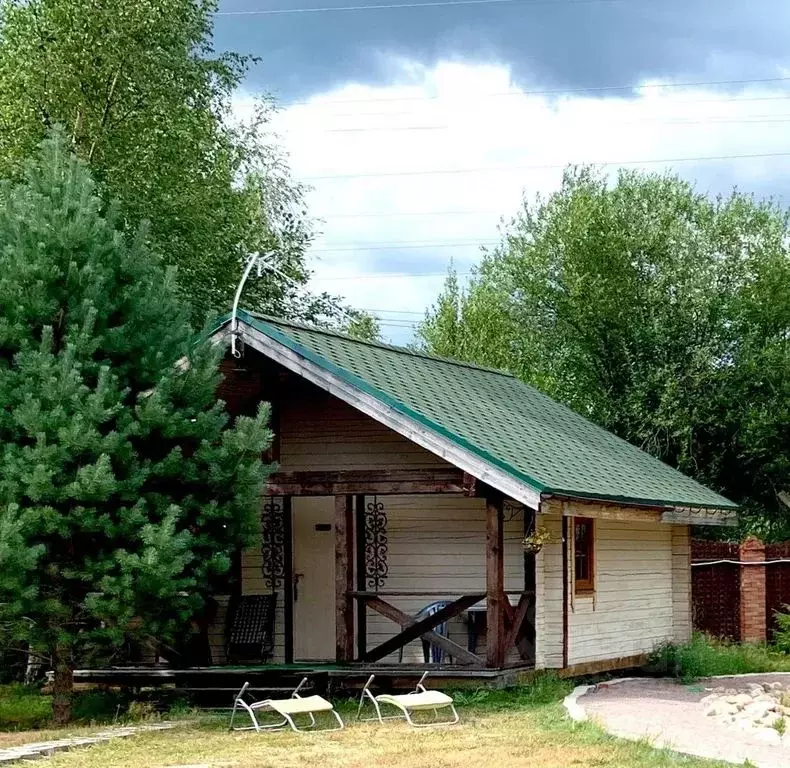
<point x="760" y="709"/>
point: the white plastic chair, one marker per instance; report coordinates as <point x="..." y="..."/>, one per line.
<point x="285" y="708"/>
<point x="418" y="700"/>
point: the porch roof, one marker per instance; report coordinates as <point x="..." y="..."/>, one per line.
<point x="509" y="425"/>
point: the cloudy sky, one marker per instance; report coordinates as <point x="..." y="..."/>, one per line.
<point x="418" y="128"/>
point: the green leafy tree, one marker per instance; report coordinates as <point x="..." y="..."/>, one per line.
<point x="657" y="312"/>
<point x="149" y="106"/>
<point x="123" y="488"/>
<point x="362" y="326"/>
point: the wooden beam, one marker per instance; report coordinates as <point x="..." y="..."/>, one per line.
<point x="446" y="593"/>
<point x="470" y="484"/>
<point x="518" y="619"/>
<point x="362" y="613"/>
<point x="495" y="583"/>
<point x="288" y="587"/>
<point x="366" y="482"/>
<point x="344" y="579"/>
<point x="566" y="531"/>
<point x="413" y="629"/>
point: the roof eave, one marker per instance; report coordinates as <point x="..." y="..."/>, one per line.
<point x="679" y="512"/>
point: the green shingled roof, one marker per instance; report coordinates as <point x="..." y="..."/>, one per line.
<point x="499" y="418"/>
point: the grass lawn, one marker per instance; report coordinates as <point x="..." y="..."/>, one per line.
<point x="524" y="727"/>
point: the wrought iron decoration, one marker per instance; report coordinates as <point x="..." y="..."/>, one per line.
<point x="376" y="566"/>
<point x="273" y="543"/>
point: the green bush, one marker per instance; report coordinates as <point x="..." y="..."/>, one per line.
<point x="22" y="707"/>
<point x="782" y="632"/>
<point x="707" y="657"/>
<point x="25" y="707"/>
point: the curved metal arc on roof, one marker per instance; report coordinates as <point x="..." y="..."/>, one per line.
<point x="252" y="260"/>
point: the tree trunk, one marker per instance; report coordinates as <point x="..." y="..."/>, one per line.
<point x="63" y="685"/>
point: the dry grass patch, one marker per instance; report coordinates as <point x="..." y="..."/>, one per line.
<point x="541" y="738"/>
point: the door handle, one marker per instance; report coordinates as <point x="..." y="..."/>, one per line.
<point x="297" y="577"/>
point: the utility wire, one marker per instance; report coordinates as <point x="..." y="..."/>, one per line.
<point x="389" y="275"/>
<point x="393" y="311"/>
<point x="708" y="121"/>
<point x="395" y="214"/>
<point x="405" y="244"/>
<point x="428" y="4"/>
<point x="549" y="166"/>
<point x="512" y="94"/>
<point x="551" y="92"/>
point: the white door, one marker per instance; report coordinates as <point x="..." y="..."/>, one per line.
<point x="314" y="578"/>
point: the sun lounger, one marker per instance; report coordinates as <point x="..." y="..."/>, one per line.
<point x="420" y="699"/>
<point x="287" y="709"/>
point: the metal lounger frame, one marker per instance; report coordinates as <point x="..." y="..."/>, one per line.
<point x="266" y="705"/>
<point x="405" y="714"/>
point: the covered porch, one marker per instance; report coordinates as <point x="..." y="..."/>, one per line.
<point x="374" y="568"/>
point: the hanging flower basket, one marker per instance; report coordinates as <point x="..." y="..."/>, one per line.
<point x="534" y="542"/>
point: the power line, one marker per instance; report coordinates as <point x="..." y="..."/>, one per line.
<point x="428" y="4"/>
<point x="395" y="214"/>
<point x="406" y="244"/>
<point x="513" y="94"/>
<point x="708" y="121"/>
<point x="512" y="168"/>
<point x="550" y="91"/>
<point x="393" y="311"/>
<point x="389" y="275"/>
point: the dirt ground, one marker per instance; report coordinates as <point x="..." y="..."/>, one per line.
<point x="668" y="714"/>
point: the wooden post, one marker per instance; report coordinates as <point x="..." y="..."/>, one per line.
<point x="567" y="531"/>
<point x="495" y="583"/>
<point x="288" y="581"/>
<point x="344" y="578"/>
<point x="362" y="611"/>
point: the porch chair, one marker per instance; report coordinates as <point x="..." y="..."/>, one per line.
<point x="250" y="627"/>
<point x="287" y="709"/>
<point x="418" y="700"/>
<point x="430" y="652"/>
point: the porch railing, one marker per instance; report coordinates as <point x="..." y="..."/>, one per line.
<point x="411" y="629"/>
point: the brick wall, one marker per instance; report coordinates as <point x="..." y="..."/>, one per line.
<point x="738" y="599"/>
<point x="752" y="582"/>
<point x="715" y="589"/>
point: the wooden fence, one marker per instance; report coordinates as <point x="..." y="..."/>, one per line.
<point x="737" y="589"/>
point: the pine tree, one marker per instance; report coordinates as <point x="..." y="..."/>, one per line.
<point x="123" y="487"/>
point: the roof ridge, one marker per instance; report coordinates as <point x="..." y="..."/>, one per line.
<point x="377" y="344"/>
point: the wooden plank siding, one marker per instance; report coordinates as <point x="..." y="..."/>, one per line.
<point x="320" y="432"/>
<point x="681" y="582"/>
<point x="548" y="590"/>
<point x="641" y="597"/>
<point x="631" y="610"/>
<point x="438" y="543"/>
<point x="253" y="583"/>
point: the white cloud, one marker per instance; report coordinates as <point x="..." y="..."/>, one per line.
<point x="458" y="116"/>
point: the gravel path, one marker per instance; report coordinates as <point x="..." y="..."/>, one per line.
<point x="670" y="715"/>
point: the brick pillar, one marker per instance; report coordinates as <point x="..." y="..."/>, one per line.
<point x="753" y="623"/>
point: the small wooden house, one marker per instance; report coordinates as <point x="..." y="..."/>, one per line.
<point x="404" y="490"/>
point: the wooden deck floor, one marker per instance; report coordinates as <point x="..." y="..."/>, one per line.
<point x="271" y="679"/>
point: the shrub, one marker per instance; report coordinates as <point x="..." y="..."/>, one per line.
<point x="22" y="707"/>
<point x="782" y="632"/>
<point x="706" y="657"/>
